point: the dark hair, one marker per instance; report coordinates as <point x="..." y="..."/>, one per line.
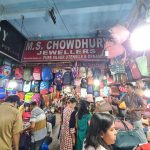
<point x="71" y="100"/>
<point x="100" y="122"/>
<point x="130" y="84"/>
<point x="33" y="103"/>
<point x="13" y="99"/>
<point x="83" y="108"/>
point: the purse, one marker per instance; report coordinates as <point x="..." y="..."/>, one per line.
<point x="128" y="139"/>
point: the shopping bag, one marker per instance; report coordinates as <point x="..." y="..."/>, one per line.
<point x="128" y="139"/>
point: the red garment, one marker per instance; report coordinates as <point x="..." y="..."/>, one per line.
<point x="65" y="135"/>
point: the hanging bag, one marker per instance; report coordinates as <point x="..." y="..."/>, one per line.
<point x="128" y="139"/>
<point x="142" y="65"/>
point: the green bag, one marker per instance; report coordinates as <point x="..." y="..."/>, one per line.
<point x="142" y="65"/>
<point x="128" y="139"/>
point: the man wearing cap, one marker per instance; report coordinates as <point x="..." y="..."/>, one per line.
<point x="11" y="124"/>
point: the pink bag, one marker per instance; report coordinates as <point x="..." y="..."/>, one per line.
<point x="119" y="33"/>
<point x="135" y="71"/>
<point x="114" y="49"/>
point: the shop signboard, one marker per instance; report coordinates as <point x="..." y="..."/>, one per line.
<point x="11" y="41"/>
<point x="79" y="49"/>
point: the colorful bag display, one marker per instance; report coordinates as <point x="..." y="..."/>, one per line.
<point x="44" y="87"/>
<point x="5" y="71"/>
<point x="142" y="65"/>
<point x="37" y="98"/>
<point x="47" y="73"/>
<point x="27" y="86"/>
<point x="35" y="86"/>
<point x="37" y="73"/>
<point x="2" y="93"/>
<point x="19" y="85"/>
<point x="19" y="73"/>
<point x="27" y="74"/>
<point x="28" y="97"/>
<point x="135" y="71"/>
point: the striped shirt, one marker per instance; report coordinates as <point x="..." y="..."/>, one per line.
<point x="40" y="131"/>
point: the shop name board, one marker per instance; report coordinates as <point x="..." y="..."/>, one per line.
<point x="11" y="41"/>
<point x="64" y="50"/>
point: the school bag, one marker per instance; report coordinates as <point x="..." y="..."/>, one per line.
<point x="37" y="98"/>
<point x="11" y="92"/>
<point x="135" y="71"/>
<point x="44" y="87"/>
<point x="35" y="86"/>
<point x="27" y="74"/>
<point x="19" y="73"/>
<point x="5" y="71"/>
<point x="67" y="78"/>
<point x="58" y="78"/>
<point x="96" y="93"/>
<point x="89" y="73"/>
<point x="82" y="72"/>
<point x="27" y="86"/>
<point x="96" y="73"/>
<point x="19" y="85"/>
<point x="11" y="85"/>
<point x="2" y="93"/>
<point x="90" y="81"/>
<point x="37" y="73"/>
<point x="47" y="73"/>
<point x="83" y="93"/>
<point x="90" y="89"/>
<point x="21" y="95"/>
<point x="28" y="97"/>
<point x="84" y="83"/>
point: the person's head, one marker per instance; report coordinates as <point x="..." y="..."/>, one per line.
<point x="14" y="99"/>
<point x="98" y="101"/>
<point x="101" y="131"/>
<point x="129" y="87"/>
<point x="71" y="102"/>
<point x="140" y="84"/>
<point x="33" y="104"/>
<point x="83" y="108"/>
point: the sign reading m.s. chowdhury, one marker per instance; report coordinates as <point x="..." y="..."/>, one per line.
<point x="81" y="49"/>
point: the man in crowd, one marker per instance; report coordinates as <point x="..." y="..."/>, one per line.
<point x="38" y="126"/>
<point x="10" y="124"/>
<point x="134" y="105"/>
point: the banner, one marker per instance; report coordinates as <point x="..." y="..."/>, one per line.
<point x="11" y="41"/>
<point x="81" y="49"/>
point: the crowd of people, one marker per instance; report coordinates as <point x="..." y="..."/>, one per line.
<point x="83" y="125"/>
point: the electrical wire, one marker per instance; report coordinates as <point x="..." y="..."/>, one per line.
<point x="61" y="17"/>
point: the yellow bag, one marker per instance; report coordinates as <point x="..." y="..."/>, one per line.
<point x="122" y="105"/>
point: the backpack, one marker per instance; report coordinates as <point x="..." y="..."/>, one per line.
<point x="37" y="98"/>
<point x="84" y="83"/>
<point x="5" y="71"/>
<point x="19" y="73"/>
<point x="28" y="97"/>
<point x="19" y="85"/>
<point x="35" y="86"/>
<point x="96" y="73"/>
<point x="11" y="92"/>
<point x="2" y="93"/>
<point x="82" y="72"/>
<point x="58" y="78"/>
<point x="44" y="87"/>
<point x="37" y="73"/>
<point x="27" y="86"/>
<point x="11" y="85"/>
<point x="47" y="73"/>
<point x="89" y="73"/>
<point x="90" y="89"/>
<point x="21" y="95"/>
<point x="67" y="78"/>
<point x="27" y="75"/>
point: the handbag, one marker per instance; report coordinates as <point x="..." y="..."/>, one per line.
<point x="128" y="139"/>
